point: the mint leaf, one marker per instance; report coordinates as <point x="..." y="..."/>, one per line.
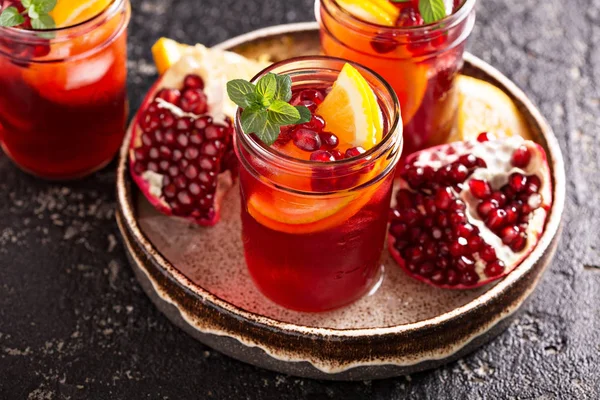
<point x="283" y="113"/>
<point x="255" y="120"/>
<point x="432" y="10"/>
<point x="267" y="87"/>
<point x="284" y="88"/>
<point x="11" y="17"/>
<point x="44" y="21"/>
<point x="26" y="3"/>
<point x="238" y="91"/>
<point x="305" y="114"/>
<point x="33" y="14"/>
<point x="42" y="6"/>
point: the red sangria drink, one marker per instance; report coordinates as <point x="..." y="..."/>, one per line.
<point x="416" y="45"/>
<point x="315" y="190"/>
<point x="63" y="103"/>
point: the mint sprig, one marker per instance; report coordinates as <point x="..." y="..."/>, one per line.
<point x="266" y="105"/>
<point x="431" y="10"/>
<point x="36" y="10"/>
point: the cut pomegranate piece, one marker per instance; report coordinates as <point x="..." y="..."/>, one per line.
<point x="181" y="160"/>
<point x="468" y="213"/>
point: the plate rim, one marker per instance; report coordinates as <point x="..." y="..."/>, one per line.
<point x="127" y="209"/>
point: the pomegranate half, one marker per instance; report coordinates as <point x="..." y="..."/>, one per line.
<point x="467" y="213"/>
<point x="181" y="151"/>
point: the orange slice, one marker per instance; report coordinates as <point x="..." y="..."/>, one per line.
<point x="380" y="12"/>
<point x="297" y="215"/>
<point x="167" y="52"/>
<point x="483" y="107"/>
<point x="73" y="12"/>
<point x="351" y="110"/>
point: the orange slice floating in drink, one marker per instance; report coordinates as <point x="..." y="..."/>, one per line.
<point x="352" y="113"/>
<point x="73" y="12"/>
<point x="351" y="110"/>
<point x="380" y="12"/>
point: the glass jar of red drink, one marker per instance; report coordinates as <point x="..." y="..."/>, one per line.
<point x="313" y="232"/>
<point x="419" y="61"/>
<point x="63" y="102"/>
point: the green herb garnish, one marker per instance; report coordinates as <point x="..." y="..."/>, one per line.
<point x="266" y="105"/>
<point x="36" y="10"/>
<point x="431" y="10"/>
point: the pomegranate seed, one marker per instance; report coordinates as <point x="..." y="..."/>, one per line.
<point x="329" y="140"/>
<point x="488" y="253"/>
<point x="193" y="82"/>
<point x="458" y="247"/>
<point x="409" y="16"/>
<point x="499" y="197"/>
<point x="404" y="199"/>
<point x="457" y="218"/>
<point x="469" y="278"/>
<point x="337" y="154"/>
<point x="213" y="132"/>
<point x="508" y="234"/>
<point x="496" y="219"/>
<point x="354" y="152"/>
<point x="452" y="277"/>
<point x="517" y="182"/>
<point x="512" y="214"/>
<point x="203" y="122"/>
<point x="193" y="101"/>
<point x="521" y="157"/>
<point x="465" y="263"/>
<point x="410" y="216"/>
<point x="306" y="139"/>
<point x="485" y="207"/>
<point x="494" y="268"/>
<point x="414" y="254"/>
<point x="475" y="243"/>
<point x="458" y="173"/>
<point x="480" y="188"/>
<point x="169" y="95"/>
<point x="485" y="136"/>
<point x="316" y="123"/>
<point x="465" y="230"/>
<point x="457" y="205"/>
<point x="438" y="277"/>
<point x="519" y="242"/>
<point x="443" y="198"/>
<point x="322" y="156"/>
<point x="398" y="229"/>
<point x="384" y="43"/>
<point x="426" y="269"/>
<point x="533" y="184"/>
<point x="468" y="160"/>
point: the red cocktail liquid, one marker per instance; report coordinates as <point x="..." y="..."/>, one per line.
<point x="63" y="103"/>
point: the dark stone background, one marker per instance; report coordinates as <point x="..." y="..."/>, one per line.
<point x="74" y="323"/>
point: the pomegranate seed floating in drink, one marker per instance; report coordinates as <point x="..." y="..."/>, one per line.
<point x="468" y="213"/>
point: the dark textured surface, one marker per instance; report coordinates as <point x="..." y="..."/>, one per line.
<point x="74" y="323"/>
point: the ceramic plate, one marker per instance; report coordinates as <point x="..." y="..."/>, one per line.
<point x="197" y="276"/>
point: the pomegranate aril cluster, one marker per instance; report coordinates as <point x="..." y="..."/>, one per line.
<point x="188" y="152"/>
<point x="430" y="226"/>
<point x="431" y="229"/>
<point x="312" y="136"/>
<point x="507" y="211"/>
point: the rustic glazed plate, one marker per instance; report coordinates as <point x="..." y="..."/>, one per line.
<point x="197" y="277"/>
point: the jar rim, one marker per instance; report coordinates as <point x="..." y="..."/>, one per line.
<point x="79" y="29"/>
<point x="286" y="162"/>
<point x="446" y="23"/>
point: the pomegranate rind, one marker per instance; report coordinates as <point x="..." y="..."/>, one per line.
<point x="216" y="68"/>
<point x="441" y="155"/>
